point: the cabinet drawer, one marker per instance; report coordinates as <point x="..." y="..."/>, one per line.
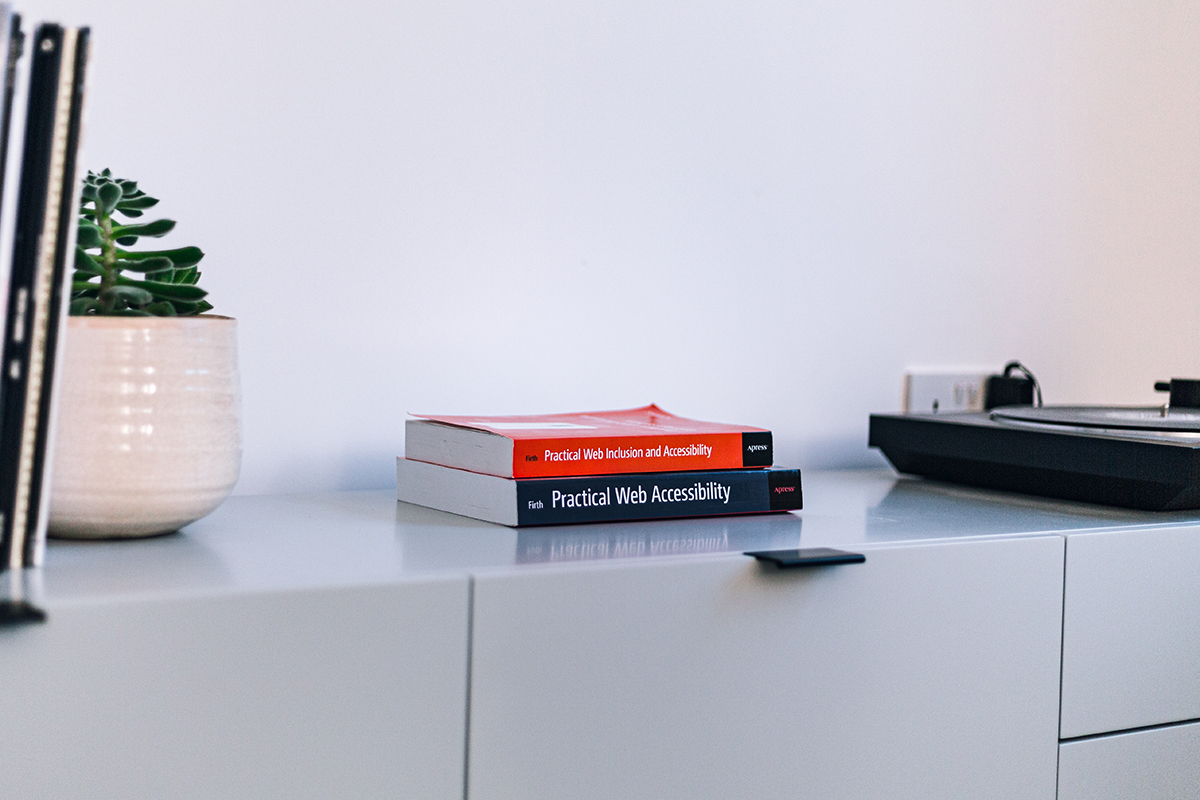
<point x="1131" y="630"/>
<point x="338" y="693"/>
<point x="1158" y="764"/>
<point x="927" y="672"/>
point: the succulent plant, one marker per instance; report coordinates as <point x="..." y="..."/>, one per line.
<point x="168" y="287"/>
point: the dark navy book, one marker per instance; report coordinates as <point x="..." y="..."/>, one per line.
<point x="598" y="498"/>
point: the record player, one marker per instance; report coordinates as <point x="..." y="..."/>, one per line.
<point x="1133" y="457"/>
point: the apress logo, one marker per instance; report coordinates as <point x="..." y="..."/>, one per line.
<point x="754" y="448"/>
<point x="782" y="489"/>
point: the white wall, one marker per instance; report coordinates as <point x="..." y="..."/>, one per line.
<point x="743" y="210"/>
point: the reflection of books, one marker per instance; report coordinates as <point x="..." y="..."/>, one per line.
<point x="536" y="545"/>
<point x="597" y="498"/>
<point x="635" y="440"/>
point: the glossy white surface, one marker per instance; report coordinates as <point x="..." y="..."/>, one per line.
<point x="1158" y="764"/>
<point x="148" y="434"/>
<point x="1131" y="630"/>
<point x="930" y="671"/>
<point x="268" y="542"/>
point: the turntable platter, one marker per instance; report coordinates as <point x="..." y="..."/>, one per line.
<point x="1149" y="419"/>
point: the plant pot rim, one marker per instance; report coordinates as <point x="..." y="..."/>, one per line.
<point x="91" y="321"/>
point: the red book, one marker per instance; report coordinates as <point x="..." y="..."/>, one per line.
<point x="645" y="439"/>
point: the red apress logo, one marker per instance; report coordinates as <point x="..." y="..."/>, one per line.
<point x="782" y="489"/>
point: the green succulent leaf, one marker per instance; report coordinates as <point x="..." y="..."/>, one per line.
<point x="154" y="264"/>
<point x="165" y="291"/>
<point x="83" y="305"/>
<point x="129" y="212"/>
<point x="127" y="187"/>
<point x="107" y="197"/>
<point x="162" y="309"/>
<point x="182" y="257"/>
<point x="83" y="288"/>
<point x="140" y="202"/>
<point x="90" y="235"/>
<point x="89" y="192"/>
<point x="85" y="260"/>
<point x="186" y="309"/>
<point x="131" y="295"/>
<point x="160" y="227"/>
<point x="85" y="263"/>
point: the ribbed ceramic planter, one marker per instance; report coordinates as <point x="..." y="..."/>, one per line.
<point x="148" y="436"/>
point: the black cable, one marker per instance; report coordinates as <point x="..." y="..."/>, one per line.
<point x="1017" y="365"/>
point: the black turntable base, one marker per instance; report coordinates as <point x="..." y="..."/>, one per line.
<point x="1144" y="458"/>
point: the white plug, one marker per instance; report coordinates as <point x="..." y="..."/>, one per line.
<point x="939" y="390"/>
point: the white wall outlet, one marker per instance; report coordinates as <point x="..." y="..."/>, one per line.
<point x="933" y="391"/>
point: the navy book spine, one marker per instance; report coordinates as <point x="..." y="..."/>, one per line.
<point x="659" y="495"/>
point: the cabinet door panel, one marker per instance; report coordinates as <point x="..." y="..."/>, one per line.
<point x="929" y="671"/>
<point x="1158" y="764"/>
<point x="1131" y="630"/>
<point x="346" y="693"/>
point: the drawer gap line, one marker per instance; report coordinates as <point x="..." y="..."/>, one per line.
<point x="1155" y="727"/>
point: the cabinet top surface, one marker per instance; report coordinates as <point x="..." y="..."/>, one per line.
<point x="306" y="541"/>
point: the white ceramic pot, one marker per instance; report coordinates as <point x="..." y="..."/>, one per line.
<point x="148" y="437"/>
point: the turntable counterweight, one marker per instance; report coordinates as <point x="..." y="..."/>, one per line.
<point x="1185" y="392"/>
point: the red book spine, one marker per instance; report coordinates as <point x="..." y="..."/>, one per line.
<point x="613" y="455"/>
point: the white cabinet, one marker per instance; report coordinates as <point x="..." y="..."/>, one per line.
<point x="1157" y="764"/>
<point x="320" y="646"/>
<point x="354" y="692"/>
<point x="1131" y="629"/>
<point x="930" y="671"/>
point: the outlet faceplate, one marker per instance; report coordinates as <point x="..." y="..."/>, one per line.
<point x="933" y="391"/>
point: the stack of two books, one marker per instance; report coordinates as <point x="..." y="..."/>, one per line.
<point x="605" y="466"/>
